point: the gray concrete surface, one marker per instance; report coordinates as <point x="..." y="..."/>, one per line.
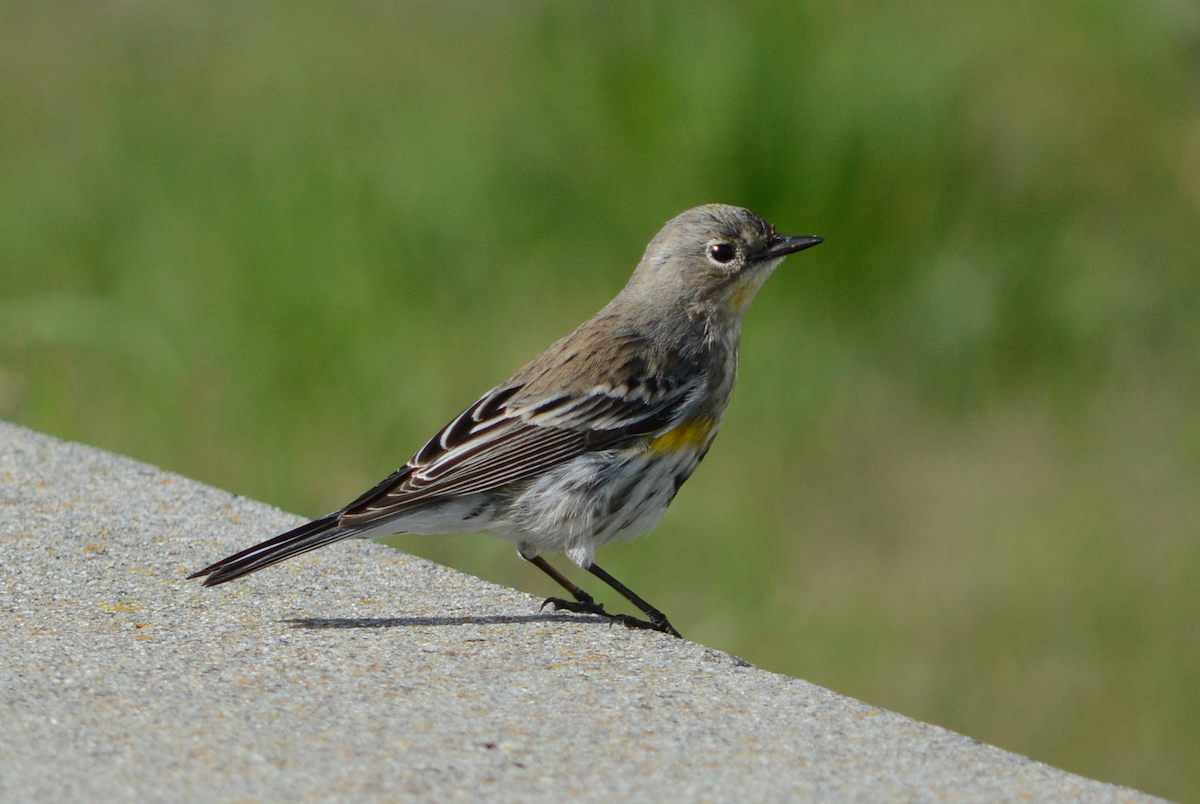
<point x="361" y="673"/>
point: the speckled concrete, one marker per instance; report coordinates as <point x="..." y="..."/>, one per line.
<point x="361" y="673"/>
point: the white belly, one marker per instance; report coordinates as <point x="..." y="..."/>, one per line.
<point x="592" y="500"/>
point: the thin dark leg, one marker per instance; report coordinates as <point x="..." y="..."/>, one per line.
<point x="658" y="620"/>
<point x="586" y="603"/>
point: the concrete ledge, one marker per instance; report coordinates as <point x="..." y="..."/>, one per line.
<point x="358" y="672"/>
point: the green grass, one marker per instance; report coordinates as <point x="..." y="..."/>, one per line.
<point x="274" y="246"/>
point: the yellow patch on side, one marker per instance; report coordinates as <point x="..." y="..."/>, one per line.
<point x="694" y="434"/>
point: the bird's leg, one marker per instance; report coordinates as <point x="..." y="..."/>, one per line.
<point x="586" y="604"/>
<point x="658" y="620"/>
<point x="583" y="602"/>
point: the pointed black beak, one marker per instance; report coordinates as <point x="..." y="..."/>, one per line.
<point x="784" y="245"/>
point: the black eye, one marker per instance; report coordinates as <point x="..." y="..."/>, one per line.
<point x="721" y="252"/>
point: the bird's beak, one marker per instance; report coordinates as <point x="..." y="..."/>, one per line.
<point x="784" y="245"/>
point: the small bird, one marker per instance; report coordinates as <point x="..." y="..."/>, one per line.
<point x="591" y="440"/>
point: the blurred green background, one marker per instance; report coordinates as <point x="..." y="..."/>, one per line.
<point x="274" y="246"/>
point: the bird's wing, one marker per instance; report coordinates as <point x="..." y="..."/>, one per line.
<point x="498" y="441"/>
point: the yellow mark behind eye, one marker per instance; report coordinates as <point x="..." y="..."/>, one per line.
<point x="688" y="435"/>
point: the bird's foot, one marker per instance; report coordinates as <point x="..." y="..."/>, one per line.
<point x="577" y="606"/>
<point x="659" y="623"/>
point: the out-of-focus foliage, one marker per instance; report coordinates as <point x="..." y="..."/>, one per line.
<point x="276" y="245"/>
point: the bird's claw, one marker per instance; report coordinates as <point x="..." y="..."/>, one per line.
<point x="629" y="621"/>
<point x="579" y="607"/>
<point x="647" y="625"/>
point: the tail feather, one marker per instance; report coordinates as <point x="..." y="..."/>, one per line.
<point x="317" y="533"/>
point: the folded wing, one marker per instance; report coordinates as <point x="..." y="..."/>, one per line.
<point x="497" y="441"/>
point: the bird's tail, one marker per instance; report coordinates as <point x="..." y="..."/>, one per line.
<point x="317" y="533"/>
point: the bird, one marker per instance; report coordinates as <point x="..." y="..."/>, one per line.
<point x="590" y="441"/>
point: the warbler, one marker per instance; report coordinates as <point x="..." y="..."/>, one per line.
<point x="591" y="440"/>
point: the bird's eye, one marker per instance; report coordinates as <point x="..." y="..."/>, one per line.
<point x="721" y="252"/>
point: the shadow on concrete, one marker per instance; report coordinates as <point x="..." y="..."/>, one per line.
<point x="401" y="622"/>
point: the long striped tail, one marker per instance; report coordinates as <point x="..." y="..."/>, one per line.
<point x="317" y="533"/>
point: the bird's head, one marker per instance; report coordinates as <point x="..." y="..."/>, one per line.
<point x="715" y="256"/>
